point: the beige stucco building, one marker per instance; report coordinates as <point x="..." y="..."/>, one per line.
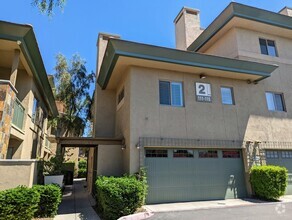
<point x="198" y="116"/>
<point x="26" y="102"/>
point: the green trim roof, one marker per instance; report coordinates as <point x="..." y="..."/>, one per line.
<point x="241" y="11"/>
<point x="29" y="47"/>
<point x="117" y="48"/>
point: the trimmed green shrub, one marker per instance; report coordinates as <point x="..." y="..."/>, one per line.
<point x="82" y="164"/>
<point x="269" y="182"/>
<point x="50" y="198"/>
<point x="119" y="196"/>
<point x="19" y="203"/>
<point x="82" y="173"/>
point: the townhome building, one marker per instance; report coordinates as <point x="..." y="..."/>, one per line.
<point x="26" y="102"/>
<point x="198" y="116"/>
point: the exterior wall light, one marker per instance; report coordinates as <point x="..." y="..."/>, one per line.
<point x="123" y="147"/>
<point x="202" y="76"/>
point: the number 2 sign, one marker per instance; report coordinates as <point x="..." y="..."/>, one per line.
<point x="203" y="92"/>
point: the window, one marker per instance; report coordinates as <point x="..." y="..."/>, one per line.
<point x="183" y="153"/>
<point x="227" y="96"/>
<point x="35" y="106"/>
<point x="268" y="47"/>
<point x="170" y="93"/>
<point x="275" y="101"/>
<point x="231" y="154"/>
<point x="156" y="153"/>
<point x="287" y="154"/>
<point x="121" y="95"/>
<point x="272" y="154"/>
<point x="208" y="154"/>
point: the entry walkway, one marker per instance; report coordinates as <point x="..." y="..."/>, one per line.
<point x="77" y="203"/>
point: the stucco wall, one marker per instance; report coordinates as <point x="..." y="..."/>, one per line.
<point x="248" y="46"/>
<point x="104" y="115"/>
<point x="226" y="46"/>
<point x="17" y="172"/>
<point x="32" y="135"/>
<point x="248" y="119"/>
<point x="110" y="161"/>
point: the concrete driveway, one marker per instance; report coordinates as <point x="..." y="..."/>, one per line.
<point x="279" y="210"/>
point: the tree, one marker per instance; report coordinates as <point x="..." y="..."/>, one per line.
<point x="47" y="6"/>
<point x="72" y="91"/>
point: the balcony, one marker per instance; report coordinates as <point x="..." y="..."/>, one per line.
<point x="18" y="115"/>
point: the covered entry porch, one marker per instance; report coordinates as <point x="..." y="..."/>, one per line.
<point x="104" y="157"/>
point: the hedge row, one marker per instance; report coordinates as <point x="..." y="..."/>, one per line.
<point x="23" y="203"/>
<point x="119" y="196"/>
<point x="269" y="182"/>
<point x="50" y="198"/>
<point x="82" y="168"/>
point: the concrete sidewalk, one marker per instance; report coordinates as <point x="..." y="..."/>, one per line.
<point x="199" y="205"/>
<point x="77" y="203"/>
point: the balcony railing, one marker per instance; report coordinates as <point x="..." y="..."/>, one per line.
<point x="18" y="115"/>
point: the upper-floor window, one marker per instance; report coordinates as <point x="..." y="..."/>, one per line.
<point x="170" y="93"/>
<point x="227" y="96"/>
<point x="268" y="47"/>
<point x="275" y="101"/>
<point x="35" y="106"/>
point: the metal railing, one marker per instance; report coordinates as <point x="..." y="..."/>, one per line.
<point x="18" y="115"/>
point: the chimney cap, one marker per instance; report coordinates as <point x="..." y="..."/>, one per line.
<point x="188" y="10"/>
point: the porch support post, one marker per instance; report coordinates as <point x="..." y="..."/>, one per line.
<point x="14" y="67"/>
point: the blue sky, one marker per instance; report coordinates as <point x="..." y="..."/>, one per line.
<point x="76" y="28"/>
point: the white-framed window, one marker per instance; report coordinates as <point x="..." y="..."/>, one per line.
<point x="287" y="154"/>
<point x="272" y="154"/>
<point x="227" y="95"/>
<point x="268" y="47"/>
<point x="275" y="101"/>
<point x="35" y="106"/>
<point x="171" y="93"/>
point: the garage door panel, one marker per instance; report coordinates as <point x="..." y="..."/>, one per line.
<point x="278" y="160"/>
<point x="189" y="179"/>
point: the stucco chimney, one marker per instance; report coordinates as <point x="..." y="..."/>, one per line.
<point x="286" y="11"/>
<point x="101" y="47"/>
<point x="187" y="27"/>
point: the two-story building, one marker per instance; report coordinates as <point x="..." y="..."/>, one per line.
<point x="26" y="98"/>
<point x="200" y="115"/>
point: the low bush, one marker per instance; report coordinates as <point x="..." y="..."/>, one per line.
<point x="50" y="198"/>
<point x="19" y="203"/>
<point x="119" y="196"/>
<point x="82" y="173"/>
<point x="269" y="182"/>
<point x="82" y="164"/>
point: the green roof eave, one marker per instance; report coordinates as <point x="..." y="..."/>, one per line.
<point x="241" y="11"/>
<point x="29" y="47"/>
<point x="117" y="48"/>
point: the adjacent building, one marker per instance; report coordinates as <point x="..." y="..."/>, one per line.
<point x="26" y="103"/>
<point x="200" y="115"/>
